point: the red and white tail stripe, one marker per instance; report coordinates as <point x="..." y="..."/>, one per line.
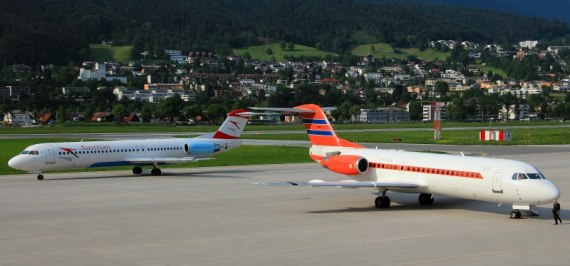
<point x="233" y="125"/>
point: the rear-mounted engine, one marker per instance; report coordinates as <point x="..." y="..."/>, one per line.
<point x="199" y="148"/>
<point x="346" y="164"/>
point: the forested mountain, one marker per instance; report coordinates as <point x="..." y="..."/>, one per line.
<point x="59" y="31"/>
<point x="549" y="9"/>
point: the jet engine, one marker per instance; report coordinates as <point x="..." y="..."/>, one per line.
<point x="200" y="148"/>
<point x="346" y="164"/>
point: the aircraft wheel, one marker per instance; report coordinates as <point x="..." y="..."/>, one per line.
<point x="425" y="199"/>
<point x="137" y="170"/>
<point x="382" y="202"/>
<point x="40" y="177"/>
<point x="155" y="172"/>
<point x="516" y="214"/>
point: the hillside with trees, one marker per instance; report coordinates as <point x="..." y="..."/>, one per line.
<point x="60" y="31"/>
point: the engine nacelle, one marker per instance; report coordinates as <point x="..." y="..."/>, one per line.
<point x="346" y="164"/>
<point x="200" y="148"/>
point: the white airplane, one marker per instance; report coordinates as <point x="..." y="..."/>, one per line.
<point x="64" y="155"/>
<point x="476" y="178"/>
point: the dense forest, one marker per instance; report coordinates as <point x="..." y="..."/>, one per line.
<point x="60" y="31"/>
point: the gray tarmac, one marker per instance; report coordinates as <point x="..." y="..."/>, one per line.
<point x="216" y="216"/>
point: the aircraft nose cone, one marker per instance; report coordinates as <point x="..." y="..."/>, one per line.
<point x="554" y="191"/>
<point x="13" y="163"/>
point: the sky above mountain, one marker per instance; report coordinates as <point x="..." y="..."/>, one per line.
<point x="549" y="9"/>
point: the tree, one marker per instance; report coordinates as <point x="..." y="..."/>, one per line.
<point x="61" y="114"/>
<point x="170" y="108"/>
<point x="441" y="88"/>
<point x="146" y="112"/>
<point x="354" y="111"/>
<point x="193" y="111"/>
<point x="215" y="112"/>
<point x="509" y="101"/>
<point x="456" y="109"/>
<point x="120" y="112"/>
<point x="416" y="110"/>
<point x="282" y="45"/>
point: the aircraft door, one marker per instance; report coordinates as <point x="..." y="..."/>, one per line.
<point x="50" y="154"/>
<point x="497" y="186"/>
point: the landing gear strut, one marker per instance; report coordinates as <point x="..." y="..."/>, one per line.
<point x="426" y="199"/>
<point x="383" y="201"/>
<point x="40" y="177"/>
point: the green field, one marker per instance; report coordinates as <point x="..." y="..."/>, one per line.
<point x="259" y="52"/>
<point x="485" y="69"/>
<point x="105" y="53"/>
<point x="521" y="136"/>
<point x="156" y="128"/>
<point x="244" y="155"/>
<point x="385" y="50"/>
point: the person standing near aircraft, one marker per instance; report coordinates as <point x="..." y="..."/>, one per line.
<point x="556" y="211"/>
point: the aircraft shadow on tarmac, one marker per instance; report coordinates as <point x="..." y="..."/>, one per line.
<point x="204" y="174"/>
<point x="444" y="203"/>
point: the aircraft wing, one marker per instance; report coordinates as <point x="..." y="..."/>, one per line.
<point x="344" y="184"/>
<point x="165" y="160"/>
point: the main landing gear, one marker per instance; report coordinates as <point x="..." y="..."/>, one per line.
<point x="40" y="177"/>
<point x="425" y="199"/>
<point x="137" y="170"/>
<point x="383" y="201"/>
<point x="155" y="171"/>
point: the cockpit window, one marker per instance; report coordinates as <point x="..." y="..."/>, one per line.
<point x="25" y="152"/>
<point x="535" y="176"/>
<point x="32" y="152"/>
<point x="523" y="176"/>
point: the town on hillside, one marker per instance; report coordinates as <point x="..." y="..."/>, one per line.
<point x="476" y="82"/>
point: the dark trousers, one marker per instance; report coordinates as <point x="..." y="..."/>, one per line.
<point x="557" y="217"/>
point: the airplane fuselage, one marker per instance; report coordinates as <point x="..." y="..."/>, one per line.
<point x="477" y="178"/>
<point x="65" y="155"/>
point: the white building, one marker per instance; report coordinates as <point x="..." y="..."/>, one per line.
<point x="520" y="112"/>
<point x="428" y="111"/>
<point x="18" y="118"/>
<point x="152" y="96"/>
<point x="99" y="71"/>
<point x="522" y="93"/>
<point x="382" y="115"/>
<point x="528" y="44"/>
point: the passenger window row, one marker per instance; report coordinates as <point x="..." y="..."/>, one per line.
<point x="120" y="150"/>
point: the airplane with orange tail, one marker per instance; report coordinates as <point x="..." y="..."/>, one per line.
<point x="477" y="178"/>
<point x="65" y="155"/>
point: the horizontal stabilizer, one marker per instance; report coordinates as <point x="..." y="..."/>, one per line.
<point x="285" y="110"/>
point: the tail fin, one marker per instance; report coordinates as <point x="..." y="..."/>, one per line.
<point x="233" y="126"/>
<point x="319" y="128"/>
